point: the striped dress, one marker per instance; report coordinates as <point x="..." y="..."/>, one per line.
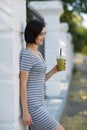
<point x="42" y="119"/>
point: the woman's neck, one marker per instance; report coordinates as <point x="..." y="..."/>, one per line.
<point x="33" y="47"/>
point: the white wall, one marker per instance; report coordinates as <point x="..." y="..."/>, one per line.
<point x="12" y="23"/>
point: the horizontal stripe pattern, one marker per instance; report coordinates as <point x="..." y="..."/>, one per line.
<point x="36" y="68"/>
<point x="42" y="119"/>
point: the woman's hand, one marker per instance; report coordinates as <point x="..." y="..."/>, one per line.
<point x="53" y="71"/>
<point x="27" y="119"/>
<point x="55" y="68"/>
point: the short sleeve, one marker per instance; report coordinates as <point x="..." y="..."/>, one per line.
<point x="25" y="61"/>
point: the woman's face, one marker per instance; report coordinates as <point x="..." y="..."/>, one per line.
<point x="40" y="38"/>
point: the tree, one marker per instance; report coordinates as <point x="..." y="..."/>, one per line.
<point x="84" y="50"/>
<point x="71" y="15"/>
<point x="77" y="5"/>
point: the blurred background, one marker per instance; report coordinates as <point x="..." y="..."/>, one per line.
<point x="74" y="116"/>
<point x="66" y="91"/>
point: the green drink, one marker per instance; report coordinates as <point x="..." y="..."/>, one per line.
<point x="61" y="61"/>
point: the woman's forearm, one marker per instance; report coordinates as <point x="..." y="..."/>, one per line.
<point x="52" y="72"/>
<point x="24" y="104"/>
<point x="49" y="74"/>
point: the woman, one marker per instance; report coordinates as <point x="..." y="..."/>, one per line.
<point x="32" y="80"/>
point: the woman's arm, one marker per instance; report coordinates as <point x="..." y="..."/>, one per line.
<point x="27" y="120"/>
<point x="23" y="91"/>
<point x="52" y="72"/>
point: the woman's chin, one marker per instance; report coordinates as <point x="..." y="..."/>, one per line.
<point x="41" y="43"/>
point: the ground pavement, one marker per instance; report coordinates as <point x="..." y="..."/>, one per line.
<point x="75" y="114"/>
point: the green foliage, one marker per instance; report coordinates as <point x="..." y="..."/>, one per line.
<point x="77" y="5"/>
<point x="84" y="50"/>
<point x="71" y="17"/>
<point x="74" y="20"/>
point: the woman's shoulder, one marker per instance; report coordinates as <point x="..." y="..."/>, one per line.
<point x="25" y="52"/>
